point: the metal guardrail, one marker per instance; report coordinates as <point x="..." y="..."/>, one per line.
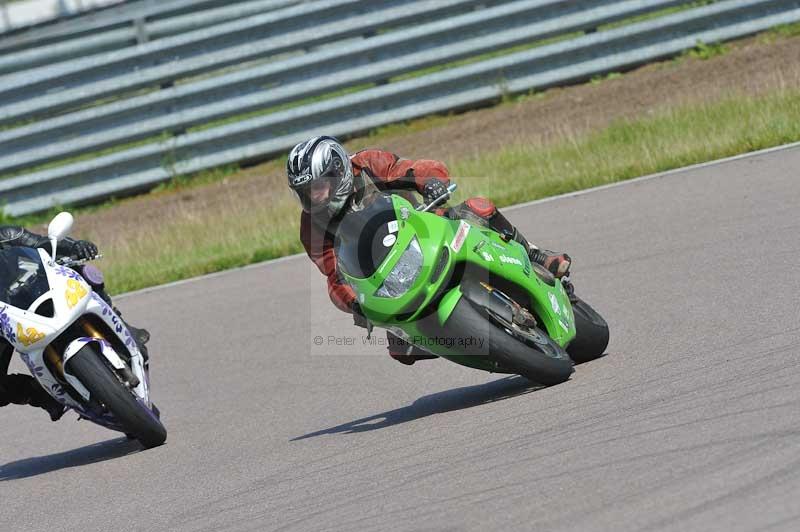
<point x="285" y="30"/>
<point x="174" y="110"/>
<point x="505" y="24"/>
<point x="113" y="16"/>
<point x="131" y="29"/>
<point x="18" y="16"/>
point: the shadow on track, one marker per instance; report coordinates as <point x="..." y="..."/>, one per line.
<point x="90" y="454"/>
<point x="437" y="403"/>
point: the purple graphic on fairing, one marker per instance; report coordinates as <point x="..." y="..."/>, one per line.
<point x="68" y="272"/>
<point x="119" y="327"/>
<point x="36" y="370"/>
<point x="89" y="339"/>
<point x="6" y="329"/>
<point x="103" y="304"/>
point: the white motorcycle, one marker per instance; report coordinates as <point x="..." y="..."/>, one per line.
<point x="73" y="342"/>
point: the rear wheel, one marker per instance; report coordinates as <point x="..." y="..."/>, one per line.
<point x="592" y="335"/>
<point x="136" y="419"/>
<point x="529" y="352"/>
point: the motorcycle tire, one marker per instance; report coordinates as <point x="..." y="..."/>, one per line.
<point x="592" y="334"/>
<point x="136" y="419"/>
<point x="543" y="361"/>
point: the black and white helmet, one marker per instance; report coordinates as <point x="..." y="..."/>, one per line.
<point x="320" y="163"/>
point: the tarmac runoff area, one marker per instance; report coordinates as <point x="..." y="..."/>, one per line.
<point x="691" y="422"/>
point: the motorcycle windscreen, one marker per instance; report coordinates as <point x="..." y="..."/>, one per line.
<point x="365" y="237"/>
<point x="22" y="277"/>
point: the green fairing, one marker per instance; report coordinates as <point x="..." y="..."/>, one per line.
<point x="482" y="248"/>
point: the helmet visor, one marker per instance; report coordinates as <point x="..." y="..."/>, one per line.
<point x="315" y="196"/>
<point x="335" y="171"/>
<point x="325" y="181"/>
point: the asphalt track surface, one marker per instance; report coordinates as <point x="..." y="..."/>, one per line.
<point x="691" y="422"/>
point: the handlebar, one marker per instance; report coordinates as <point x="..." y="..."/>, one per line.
<point x="71" y="262"/>
<point x="444" y="197"/>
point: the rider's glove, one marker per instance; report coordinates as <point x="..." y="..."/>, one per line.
<point x="83" y="250"/>
<point x="433" y="189"/>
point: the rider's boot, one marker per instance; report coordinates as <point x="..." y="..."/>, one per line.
<point x="24" y="390"/>
<point x="556" y="263"/>
<point x="44" y="400"/>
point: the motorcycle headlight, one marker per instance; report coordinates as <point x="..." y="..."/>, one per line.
<point x="404" y="273"/>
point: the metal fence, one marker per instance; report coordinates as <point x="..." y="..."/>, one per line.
<point x="20" y="15"/>
<point x="132" y="23"/>
<point x="243" y="90"/>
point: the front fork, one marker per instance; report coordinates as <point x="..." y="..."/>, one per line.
<point x="105" y="350"/>
<point x="133" y="376"/>
<point x="492" y="301"/>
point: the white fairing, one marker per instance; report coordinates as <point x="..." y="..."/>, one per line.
<point x="31" y="333"/>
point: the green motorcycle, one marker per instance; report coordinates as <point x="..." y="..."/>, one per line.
<point x="461" y="291"/>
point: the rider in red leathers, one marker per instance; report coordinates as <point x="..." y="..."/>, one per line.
<point x="329" y="182"/>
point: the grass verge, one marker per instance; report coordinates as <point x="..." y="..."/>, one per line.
<point x="627" y="149"/>
<point x="671" y="138"/>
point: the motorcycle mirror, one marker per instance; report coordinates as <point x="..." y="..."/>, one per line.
<point x="59" y="228"/>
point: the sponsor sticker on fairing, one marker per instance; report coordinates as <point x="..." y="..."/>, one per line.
<point x="554" y="303"/>
<point x="393" y="226"/>
<point x="510" y="260"/>
<point x="461" y="236"/>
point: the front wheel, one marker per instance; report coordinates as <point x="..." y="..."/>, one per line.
<point x="591" y="337"/>
<point x="136" y="419"/>
<point x="534" y="356"/>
